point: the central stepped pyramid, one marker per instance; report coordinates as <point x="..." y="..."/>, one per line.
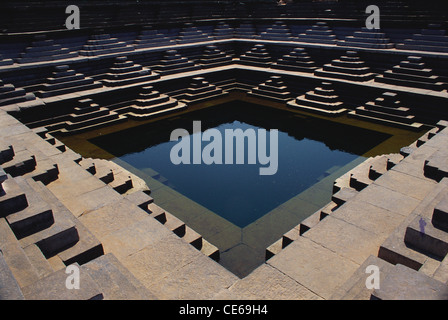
<point x="9" y="94"/>
<point x="173" y="62"/>
<point x="432" y="39"/>
<point x="213" y="57"/>
<point x="89" y="116"/>
<point x="151" y="103"/>
<point x="257" y="56"/>
<point x="412" y="73"/>
<point x="246" y="31"/>
<point x="296" y="60"/>
<point x="126" y="72"/>
<point x="367" y="39"/>
<point x="190" y="34"/>
<point x="348" y="67"/>
<point x="223" y="31"/>
<point x="43" y="49"/>
<point x="319" y="33"/>
<point x="322" y="100"/>
<point x="273" y="89"/>
<point x="149" y="37"/>
<point x="101" y="43"/>
<point x="387" y="109"/>
<point x="64" y="80"/>
<point x="200" y="91"/>
<point x="278" y="32"/>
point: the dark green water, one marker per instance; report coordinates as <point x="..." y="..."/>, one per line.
<point x="307" y="148"/>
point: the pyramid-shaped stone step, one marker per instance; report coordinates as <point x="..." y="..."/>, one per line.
<point x="151" y="103"/>
<point x="173" y="62"/>
<point x="35" y="217"/>
<point x="318" y="33"/>
<point x="114" y="280"/>
<point x="23" y="162"/>
<point x="348" y="67"/>
<point x="10" y="289"/>
<point x="322" y="100"/>
<point x="101" y="43"/>
<point x="257" y="56"/>
<point x="246" y="31"/>
<point x="223" y="31"/>
<point x="436" y="166"/>
<point x="403" y="283"/>
<point x="387" y="109"/>
<point x="149" y="37"/>
<point x="10" y="94"/>
<point x="190" y="33"/>
<point x="412" y="73"/>
<point x="273" y="89"/>
<point x="423" y="236"/>
<point x="57" y="282"/>
<point x="278" y="32"/>
<point x="125" y="72"/>
<point x="367" y="39"/>
<point x="213" y="57"/>
<point x="440" y="215"/>
<point x="88" y="116"/>
<point x="64" y="80"/>
<point x="81" y="246"/>
<point x="5" y="62"/>
<point x="12" y="197"/>
<point x="43" y="49"/>
<point x="200" y="91"/>
<point x="296" y="60"/>
<point x="433" y="38"/>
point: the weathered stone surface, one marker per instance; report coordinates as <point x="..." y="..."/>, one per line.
<point x="9" y="288"/>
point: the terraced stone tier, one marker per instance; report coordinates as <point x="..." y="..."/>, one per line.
<point x="101" y="43"/>
<point x="5" y="62"/>
<point x="149" y="37"/>
<point x="200" y="90"/>
<point x="43" y="49"/>
<point x="278" y="32"/>
<point x="192" y="34"/>
<point x="213" y="57"/>
<point x="433" y="38"/>
<point x="89" y="115"/>
<point x="9" y="94"/>
<point x="273" y="89"/>
<point x="126" y="72"/>
<point x="152" y="103"/>
<point x="412" y="73"/>
<point x="348" y="67"/>
<point x="319" y="33"/>
<point x="388" y="110"/>
<point x="296" y="60"/>
<point x="257" y="56"/>
<point x="64" y="80"/>
<point x="173" y="62"/>
<point x="322" y="100"/>
<point x="367" y="39"/>
<point x="223" y="31"/>
<point x="246" y="31"/>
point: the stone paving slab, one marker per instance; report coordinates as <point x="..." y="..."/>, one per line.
<point x="317" y="268"/>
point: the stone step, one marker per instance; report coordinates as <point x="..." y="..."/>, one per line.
<point x="35" y="217"/>
<point x="343" y="195"/>
<point x="23" y="162"/>
<point x="9" y="288"/>
<point x="46" y="171"/>
<point x="39" y="290"/>
<point x="15" y="257"/>
<point x="378" y="168"/>
<point x="424" y="237"/>
<point x="403" y="283"/>
<point x="359" y="176"/>
<point x="122" y="182"/>
<point x="38" y="260"/>
<point x="210" y="250"/>
<point x="12" y="198"/>
<point x="141" y="199"/>
<point x="441" y="274"/>
<point x="114" y="280"/>
<point x="440" y="215"/>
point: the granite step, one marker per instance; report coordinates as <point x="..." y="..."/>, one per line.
<point x="9" y="288"/>
<point x="38" y="260"/>
<point x="122" y="182"/>
<point x="12" y="197"/>
<point x="23" y="162"/>
<point x="440" y="215"/>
